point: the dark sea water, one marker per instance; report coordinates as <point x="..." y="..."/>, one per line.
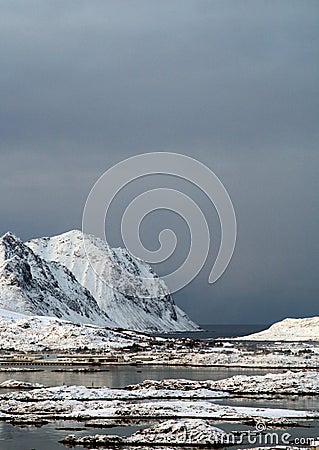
<point x="219" y="331"/>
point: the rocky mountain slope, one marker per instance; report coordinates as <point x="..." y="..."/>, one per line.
<point x="31" y="285"/>
<point x="124" y="287"/>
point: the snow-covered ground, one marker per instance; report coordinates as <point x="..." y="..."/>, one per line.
<point x="287" y="383"/>
<point x="240" y="354"/>
<point x="289" y="330"/>
<point x="37" y="333"/>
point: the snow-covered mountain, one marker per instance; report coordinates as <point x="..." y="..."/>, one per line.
<point x="31" y="285"/>
<point x="124" y="287"/>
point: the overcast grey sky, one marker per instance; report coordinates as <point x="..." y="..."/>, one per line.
<point x="85" y="84"/>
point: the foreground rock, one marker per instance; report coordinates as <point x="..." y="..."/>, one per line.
<point x="188" y="431"/>
<point x="185" y="433"/>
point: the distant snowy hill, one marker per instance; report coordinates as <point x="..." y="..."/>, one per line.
<point x="139" y="301"/>
<point x="31" y="285"/>
<point x="289" y="330"/>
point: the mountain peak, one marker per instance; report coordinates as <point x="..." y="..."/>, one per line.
<point x="10" y="237"/>
<point x="11" y="245"/>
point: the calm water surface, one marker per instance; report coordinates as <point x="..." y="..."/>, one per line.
<point x="219" y="331"/>
<point x="120" y="376"/>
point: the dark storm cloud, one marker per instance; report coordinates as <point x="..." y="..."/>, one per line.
<point x="234" y="84"/>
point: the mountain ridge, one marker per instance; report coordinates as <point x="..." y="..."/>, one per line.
<point x="126" y="288"/>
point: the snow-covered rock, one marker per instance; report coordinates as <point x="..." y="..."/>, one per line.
<point x="187" y="431"/>
<point x="174" y="432"/>
<point x="68" y="409"/>
<point x="172" y="384"/>
<point x="16" y="384"/>
<point x="125" y="288"/>
<point x="82" y="393"/>
<point x="313" y="446"/>
<point x="98" y="440"/>
<point x="31" y="285"/>
<point x="289" y="330"/>
<point x="200" y="410"/>
<point x="301" y="382"/>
